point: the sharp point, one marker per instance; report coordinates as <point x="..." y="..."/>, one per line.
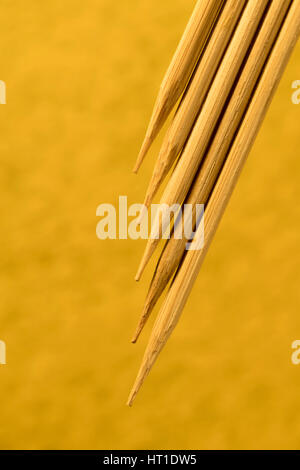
<point x="130" y="400"/>
<point x="140" y="270"/>
<point x="151" y="245"/>
<point x="147" y="310"/>
<point x="139" y="329"/>
<point x="136" y="334"/>
<point x="142" y="214"/>
<point x="143" y="152"/>
<point x="150" y="193"/>
<point x="159" y="174"/>
<point x="141" y="267"/>
<point x="157" y="120"/>
<point x="142" y="374"/>
<point x="149" y="358"/>
<point x="137" y="385"/>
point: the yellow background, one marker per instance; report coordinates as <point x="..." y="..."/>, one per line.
<point x="81" y="81"/>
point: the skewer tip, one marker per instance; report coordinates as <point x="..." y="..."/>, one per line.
<point x="148" y="307"/>
<point x="143" y="213"/>
<point x="149" y="195"/>
<point x="146" y="257"/>
<point x="143" y="152"/>
<point x="131" y="399"/>
<point x="150" y="356"/>
<point x="143" y="372"/>
<point x="138" y="331"/>
<point x="140" y="271"/>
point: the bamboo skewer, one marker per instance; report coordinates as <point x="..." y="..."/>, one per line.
<point x="194" y="96"/>
<point x="175" y="248"/>
<point x="186" y="276"/>
<point x="194" y="151"/>
<point x="180" y="69"/>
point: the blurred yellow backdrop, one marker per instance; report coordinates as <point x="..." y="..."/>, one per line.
<point x="81" y="80"/>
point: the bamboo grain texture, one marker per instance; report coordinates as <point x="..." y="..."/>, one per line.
<point x="189" y="269"/>
<point x="180" y="69"/>
<point x="184" y="173"/>
<point x="202" y="186"/>
<point x="194" y="96"/>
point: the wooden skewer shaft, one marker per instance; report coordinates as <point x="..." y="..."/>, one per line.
<point x="181" y="67"/>
<point x="195" y="94"/>
<point x="214" y="159"/>
<point x="184" y="173"/>
<point x="187" y="274"/>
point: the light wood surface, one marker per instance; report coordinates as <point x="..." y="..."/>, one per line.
<point x="180" y="69"/>
<point x="186" y="276"/>
<point x="184" y="173"/>
<point x="194" y="96"/>
<point x="214" y="159"/>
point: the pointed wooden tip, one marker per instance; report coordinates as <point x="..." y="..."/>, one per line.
<point x="141" y="269"/>
<point x="150" y="248"/>
<point x="131" y="399"/>
<point x="143" y="152"/>
<point x="160" y="113"/>
<point x="143" y="213"/>
<point x="165" y="161"/>
<point x="142" y="322"/>
<point x="157" y="340"/>
<point x="151" y="191"/>
<point x="150" y="302"/>
<point x="138" y="330"/>
<point x="142" y="374"/>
